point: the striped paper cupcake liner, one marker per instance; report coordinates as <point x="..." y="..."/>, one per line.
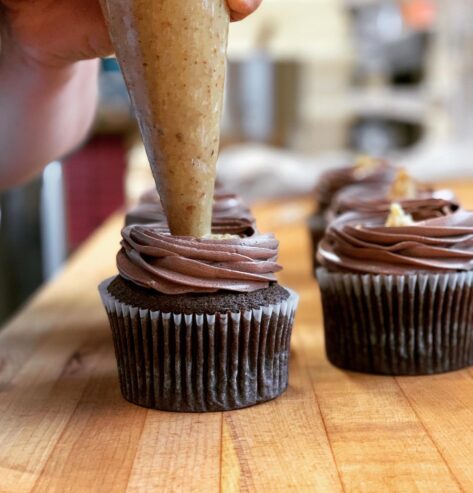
<point x="410" y="324"/>
<point x="199" y="363"/>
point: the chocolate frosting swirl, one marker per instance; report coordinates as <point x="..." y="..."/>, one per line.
<point x="363" y="198"/>
<point x="332" y="181"/>
<point x="359" y="242"/>
<point x="153" y="258"/>
<point x="230" y="214"/>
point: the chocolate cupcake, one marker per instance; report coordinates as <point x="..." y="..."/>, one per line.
<point x="230" y="215"/>
<point x="366" y="171"/>
<point x="397" y="294"/>
<point x="199" y="324"/>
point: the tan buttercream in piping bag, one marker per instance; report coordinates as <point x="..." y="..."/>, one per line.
<point x="172" y="54"/>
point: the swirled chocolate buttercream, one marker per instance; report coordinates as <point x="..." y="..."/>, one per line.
<point x="151" y="257"/>
<point x="362" y="243"/>
<point x="230" y="215"/>
<point x="366" y="170"/>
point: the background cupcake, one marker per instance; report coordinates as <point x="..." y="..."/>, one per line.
<point x="397" y="294"/>
<point x="367" y="170"/>
<point x="230" y="215"/>
<point x="403" y="189"/>
<point x="199" y="324"/>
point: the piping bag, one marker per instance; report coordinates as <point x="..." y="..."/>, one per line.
<point x="173" y="56"/>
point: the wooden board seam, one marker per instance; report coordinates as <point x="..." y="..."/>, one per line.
<point x="322" y="417"/>
<point x="64" y="430"/>
<point x="220" y="484"/>
<point x="427" y="432"/>
<point x="136" y="453"/>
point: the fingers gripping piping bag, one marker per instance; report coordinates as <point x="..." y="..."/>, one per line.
<point x="172" y="54"/>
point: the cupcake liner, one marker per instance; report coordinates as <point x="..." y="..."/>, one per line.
<point x="198" y="363"/>
<point x="317" y="226"/>
<point x="411" y="324"/>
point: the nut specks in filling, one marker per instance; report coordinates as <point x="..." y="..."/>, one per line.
<point x="172" y="53"/>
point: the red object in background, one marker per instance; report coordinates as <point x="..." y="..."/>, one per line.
<point x="94" y="182"/>
<point x="419" y="14"/>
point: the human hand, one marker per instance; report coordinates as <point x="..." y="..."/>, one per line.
<point x="57" y="33"/>
<point x="239" y="9"/>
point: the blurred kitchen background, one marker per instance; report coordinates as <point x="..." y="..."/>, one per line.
<point x="310" y="84"/>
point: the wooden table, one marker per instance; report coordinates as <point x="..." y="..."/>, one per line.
<point x="65" y="428"/>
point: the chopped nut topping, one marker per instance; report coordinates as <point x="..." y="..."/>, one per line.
<point x="364" y="165"/>
<point x="220" y="237"/>
<point x="403" y="187"/>
<point x="397" y="217"/>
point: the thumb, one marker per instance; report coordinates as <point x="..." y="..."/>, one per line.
<point x="239" y="9"/>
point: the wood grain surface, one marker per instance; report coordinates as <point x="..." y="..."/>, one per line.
<point x="65" y="428"/>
